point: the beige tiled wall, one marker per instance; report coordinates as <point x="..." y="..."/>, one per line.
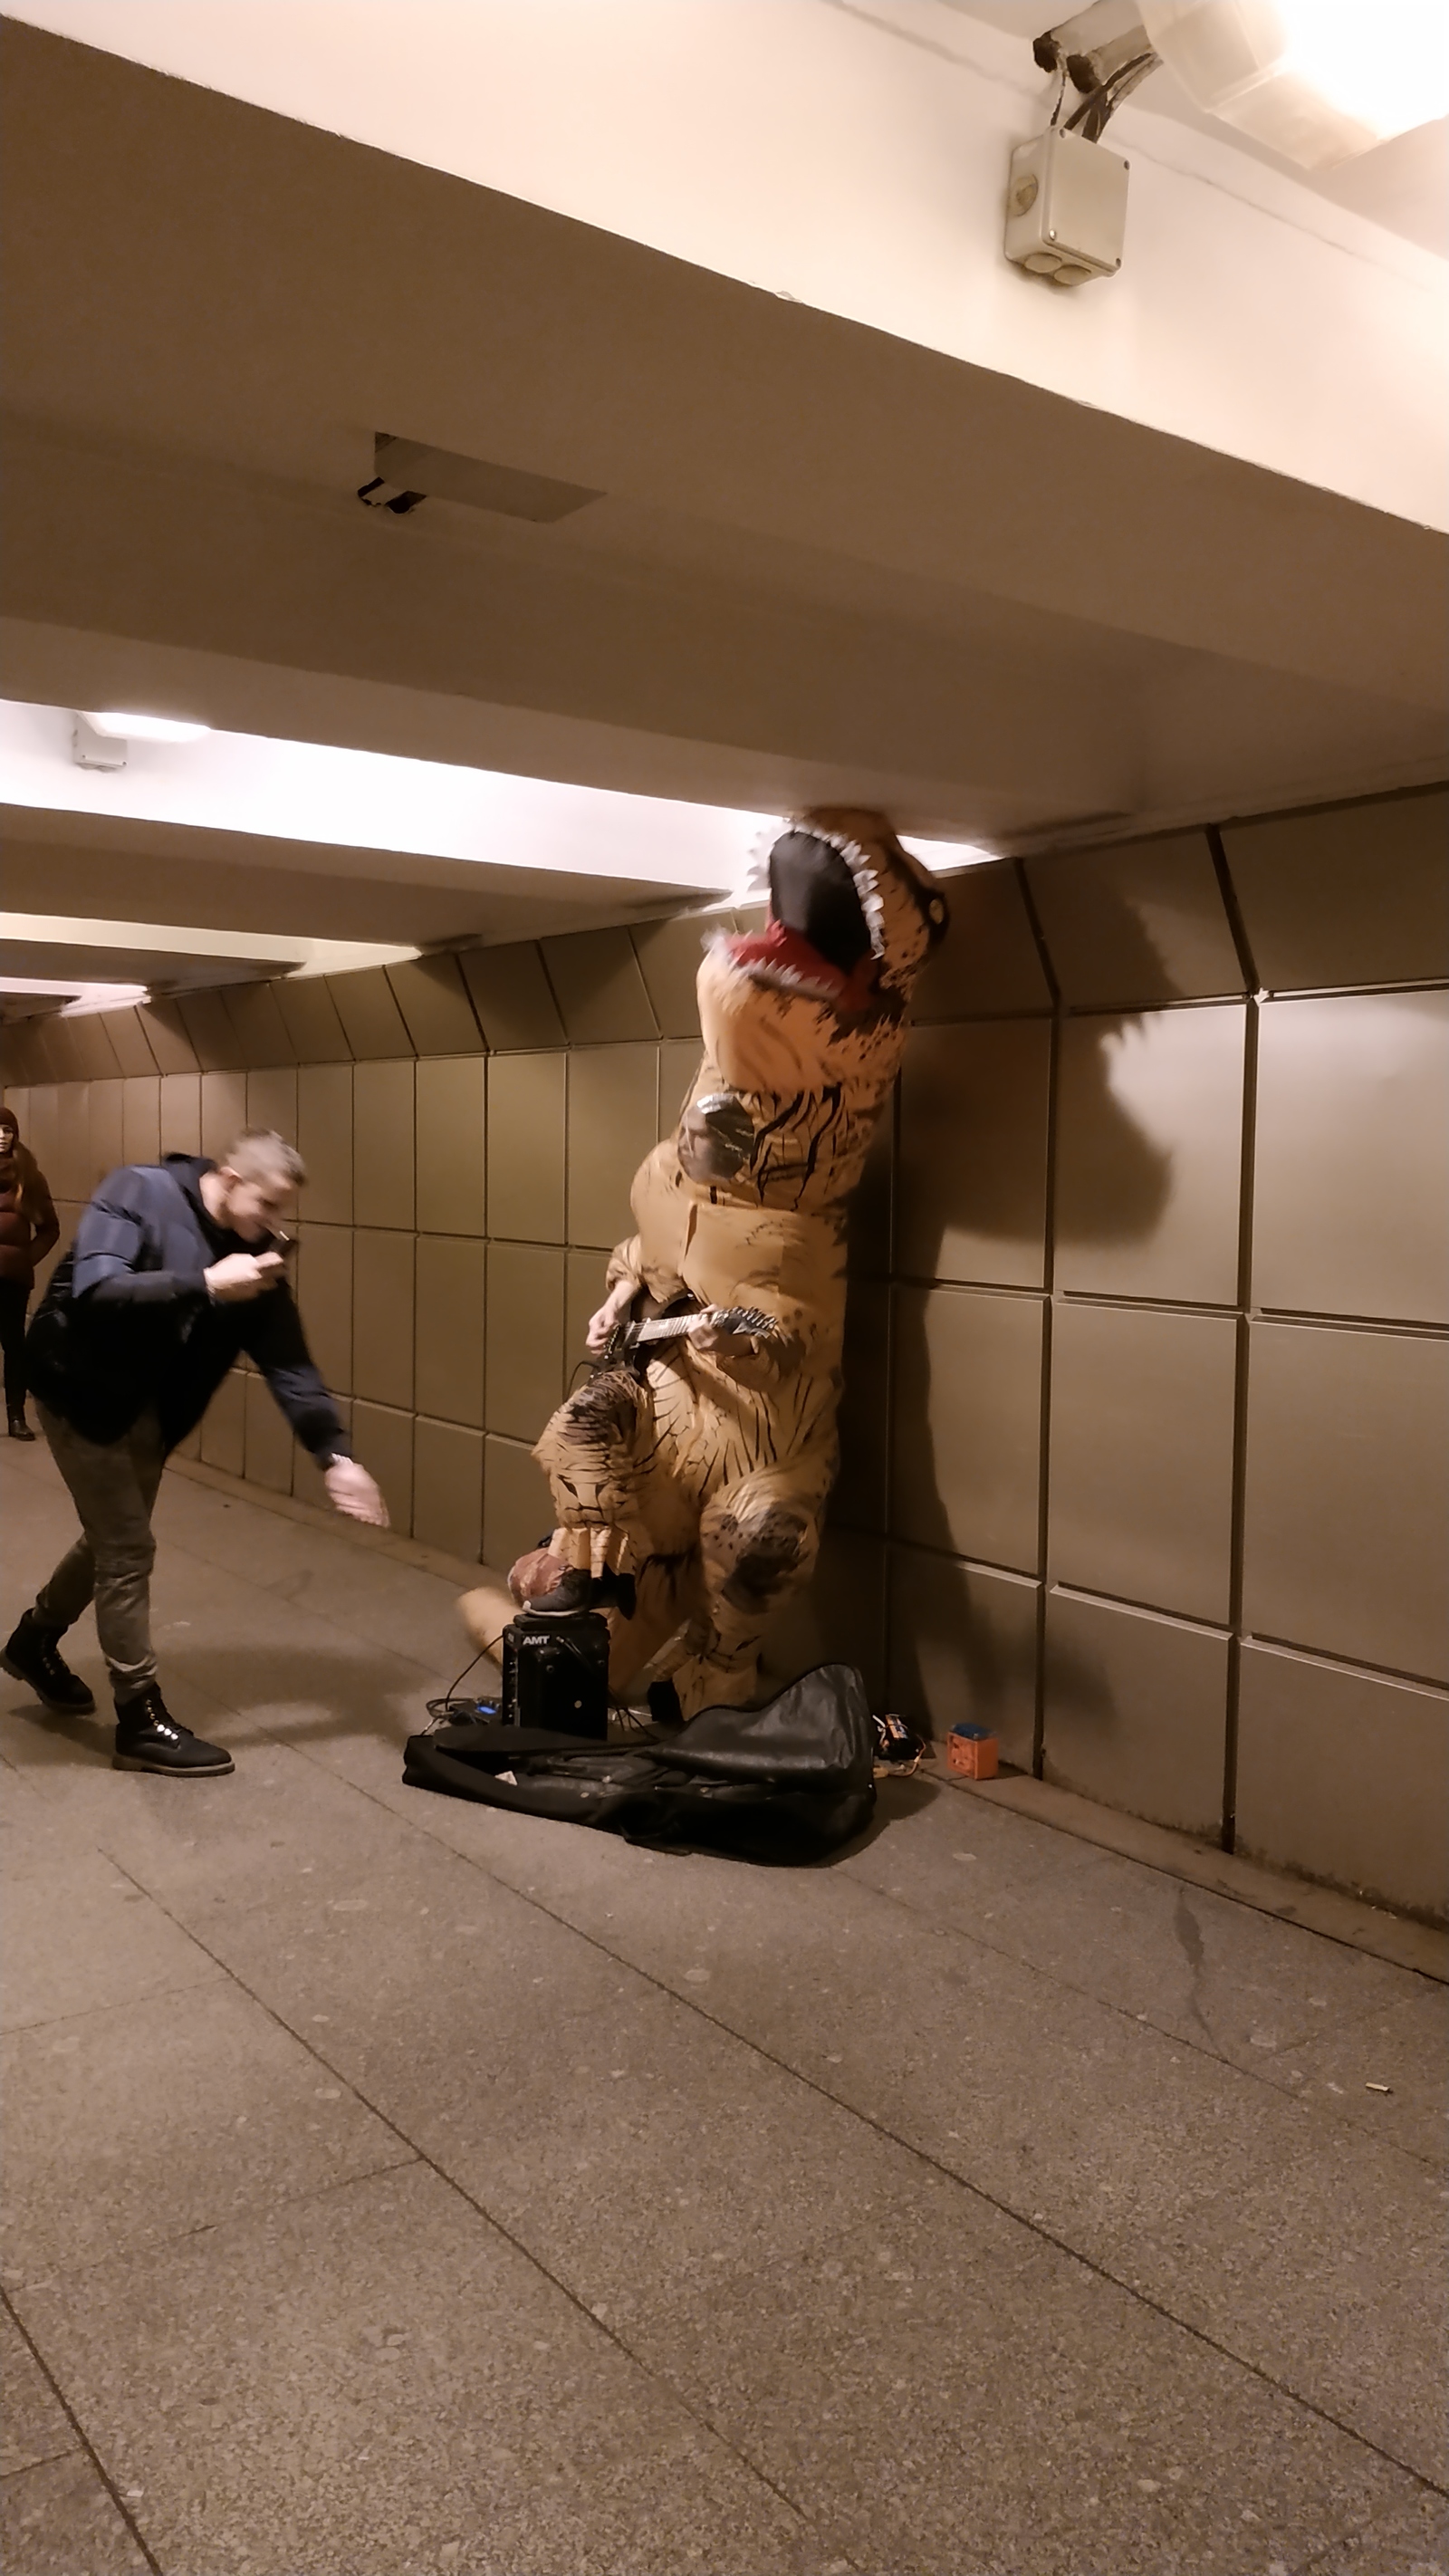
<point x="1145" y="1432"/>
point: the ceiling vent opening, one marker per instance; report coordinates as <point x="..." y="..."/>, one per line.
<point x="406" y="472"/>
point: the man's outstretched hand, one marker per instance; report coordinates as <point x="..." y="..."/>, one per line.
<point x="350" y="1489"/>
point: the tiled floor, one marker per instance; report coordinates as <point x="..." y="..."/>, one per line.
<point x="398" y="2187"/>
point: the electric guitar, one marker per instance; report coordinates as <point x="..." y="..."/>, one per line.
<point x="629" y="1338"/>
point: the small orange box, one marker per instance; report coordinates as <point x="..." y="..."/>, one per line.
<point x="971" y="1752"/>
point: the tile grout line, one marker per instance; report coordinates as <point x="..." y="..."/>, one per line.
<point x="920" y="2155"/>
<point x="83" y="2441"/>
<point x="419" y="2155"/>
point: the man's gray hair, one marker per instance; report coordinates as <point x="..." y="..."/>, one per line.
<point x="259" y="1153"/>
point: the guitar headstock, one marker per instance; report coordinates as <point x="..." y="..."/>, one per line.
<point x="742" y="1319"/>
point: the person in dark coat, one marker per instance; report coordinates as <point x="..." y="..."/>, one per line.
<point x="29" y="1229"/>
<point x="176" y="1269"/>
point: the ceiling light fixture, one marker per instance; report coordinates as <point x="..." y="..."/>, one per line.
<point x="135" y="728"/>
<point x="1317" y="80"/>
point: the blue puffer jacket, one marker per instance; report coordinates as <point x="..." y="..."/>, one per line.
<point x="126" y="1321"/>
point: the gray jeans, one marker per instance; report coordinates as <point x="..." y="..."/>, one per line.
<point x="113" y="1486"/>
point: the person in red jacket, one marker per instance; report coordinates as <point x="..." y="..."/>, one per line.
<point x="29" y="1228"/>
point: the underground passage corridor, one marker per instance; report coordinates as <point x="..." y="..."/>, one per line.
<point x="400" y="2186"/>
<point x="724" y="1287"/>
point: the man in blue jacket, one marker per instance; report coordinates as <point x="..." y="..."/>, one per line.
<point x="176" y="1269"/>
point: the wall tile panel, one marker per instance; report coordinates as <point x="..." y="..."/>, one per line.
<point x="598" y="987"/>
<point x="1136" y="1711"/>
<point x="966" y="1426"/>
<point x="97" y="1055"/>
<point x="517" y="1511"/>
<point x="223" y="1427"/>
<point x="526" y="1131"/>
<point x="1352" y="1178"/>
<point x="613" y="1121"/>
<point x="1149" y="1155"/>
<point x="324" y="1140"/>
<point x="1345" y="1775"/>
<point x="448" y="1383"/>
<point x="223" y="1111"/>
<point x="1141" y="1470"/>
<point x="164" y="1031"/>
<point x="383" y="1165"/>
<point x="448" y="1488"/>
<point x="971" y="1173"/>
<point x="1348" y="1495"/>
<point x="69" y="1174"/>
<point x="181" y="1113"/>
<point x="324" y="1296"/>
<point x="870" y="1218"/>
<point x="859" y="1499"/>
<point x="261" y="1031"/>
<point x="525" y="1327"/>
<point x="269" y="1442"/>
<point x="309" y="1016"/>
<point x="1142" y="922"/>
<point x="433" y="999"/>
<point x="382" y="1317"/>
<point x="107" y="1150"/>
<point x="370" y="1017"/>
<point x="141" y="1118"/>
<point x="272" y="1100"/>
<point x="512" y="996"/>
<point x="1352" y="894"/>
<point x="669" y="954"/>
<point x="42" y="1127"/>
<point x="451" y="1097"/>
<point x="988" y="961"/>
<point x="208" y="1024"/>
<point x="963" y="1648"/>
<point x="383" y="1440"/>
<point x="130" y="1043"/>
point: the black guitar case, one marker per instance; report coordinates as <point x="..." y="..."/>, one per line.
<point x="789" y="1781"/>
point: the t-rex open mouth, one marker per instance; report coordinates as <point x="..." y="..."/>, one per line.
<point x="817" y="939"/>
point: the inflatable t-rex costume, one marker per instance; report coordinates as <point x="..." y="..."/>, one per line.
<point x="690" y="1487"/>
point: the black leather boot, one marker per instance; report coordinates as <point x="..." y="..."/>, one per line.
<point x="18" y="1427"/>
<point x="149" y="1739"/>
<point x="32" y="1654"/>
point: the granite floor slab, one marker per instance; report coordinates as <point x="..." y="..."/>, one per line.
<point x="401" y="2187"/>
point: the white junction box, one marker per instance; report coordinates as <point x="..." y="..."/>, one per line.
<point x="1066" y="208"/>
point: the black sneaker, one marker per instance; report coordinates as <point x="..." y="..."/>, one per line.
<point x="149" y="1739"/>
<point x="32" y="1655"/>
<point x="573" y="1592"/>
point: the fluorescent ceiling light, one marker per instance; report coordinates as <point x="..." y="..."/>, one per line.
<point x="133" y="728"/>
<point x="284" y="953"/>
<point x="1317" y="80"/>
<point x="944" y="857"/>
<point x="76" y="998"/>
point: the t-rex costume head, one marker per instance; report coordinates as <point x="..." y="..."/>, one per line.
<point x="804" y="1021"/>
<point x="704" y="1475"/>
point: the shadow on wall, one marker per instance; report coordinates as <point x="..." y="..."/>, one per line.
<point x="966" y="1386"/>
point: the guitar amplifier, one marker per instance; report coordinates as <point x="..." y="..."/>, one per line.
<point x="556" y="1674"/>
